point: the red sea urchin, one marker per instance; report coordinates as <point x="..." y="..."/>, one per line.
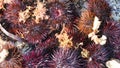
<point x="92" y="47"/>
<point x="32" y="58"/>
<point x="86" y="22"/>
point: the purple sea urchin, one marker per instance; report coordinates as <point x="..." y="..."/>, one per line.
<point x="99" y="57"/>
<point x="103" y="54"/>
<point x="96" y="55"/>
<point x="112" y="31"/>
<point x="68" y="59"/>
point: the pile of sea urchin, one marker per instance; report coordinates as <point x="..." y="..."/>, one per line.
<point x="58" y="34"/>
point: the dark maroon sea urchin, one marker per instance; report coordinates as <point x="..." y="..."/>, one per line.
<point x="32" y="59"/>
<point x="12" y="10"/>
<point x="100" y="8"/>
<point x="37" y="33"/>
<point x="56" y="11"/>
<point x="99" y="57"/>
<point x="61" y="13"/>
<point x="112" y="31"/>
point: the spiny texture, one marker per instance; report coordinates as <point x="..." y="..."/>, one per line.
<point x="32" y="59"/>
<point x="50" y="42"/>
<point x="12" y="11"/>
<point x="78" y="38"/>
<point x="57" y="14"/>
<point x="112" y="31"/>
<point x="97" y="59"/>
<point x="37" y="33"/>
<point x="56" y="34"/>
<point x="94" y="64"/>
<point x="71" y="29"/>
<point x="14" y="58"/>
<point x="92" y="48"/>
<point x="40" y="57"/>
<point x="61" y="13"/>
<point x="102" y="54"/>
<point x="67" y="59"/>
<point x="86" y="22"/>
<point x="100" y="8"/>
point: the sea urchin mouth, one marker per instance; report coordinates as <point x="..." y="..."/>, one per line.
<point x="56" y="10"/>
